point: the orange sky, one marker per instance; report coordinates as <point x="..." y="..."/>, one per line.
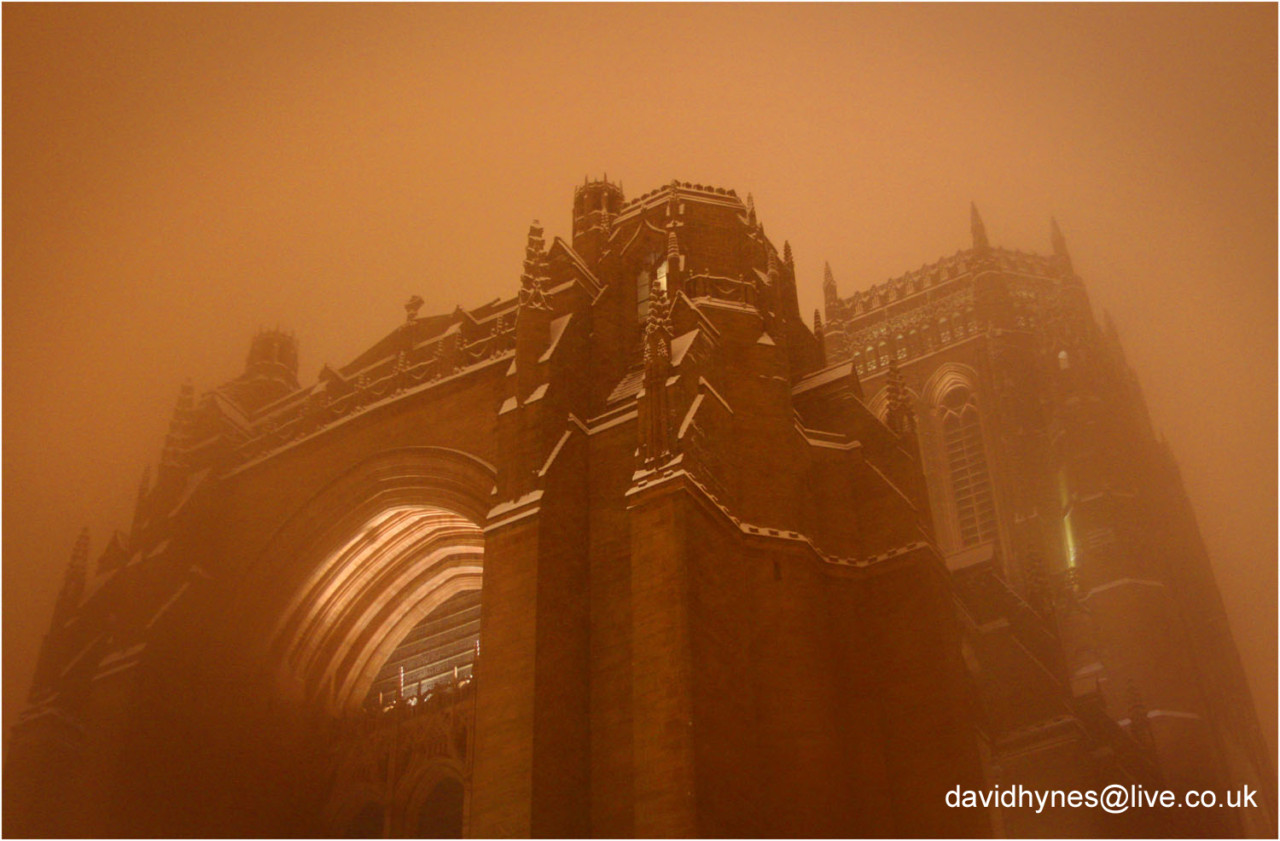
<point x="177" y="176"/>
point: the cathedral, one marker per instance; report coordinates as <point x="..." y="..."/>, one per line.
<point x="642" y="550"/>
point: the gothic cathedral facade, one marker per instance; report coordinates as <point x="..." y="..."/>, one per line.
<point x="639" y="551"/>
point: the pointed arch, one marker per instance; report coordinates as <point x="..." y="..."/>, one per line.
<point x="961" y="454"/>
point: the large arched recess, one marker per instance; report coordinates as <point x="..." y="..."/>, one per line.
<point x="294" y="590"/>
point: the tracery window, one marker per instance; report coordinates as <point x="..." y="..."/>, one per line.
<point x="967" y="465"/>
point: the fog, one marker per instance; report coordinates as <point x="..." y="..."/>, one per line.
<point x="176" y="177"/>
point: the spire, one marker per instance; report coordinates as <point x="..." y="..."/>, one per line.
<point x="751" y="210"/>
<point x="144" y="488"/>
<point x="655" y="423"/>
<point x="772" y="266"/>
<point x="533" y="254"/>
<point x="787" y="257"/>
<point x="73" y="582"/>
<point x="145" y="485"/>
<point x="175" y="442"/>
<point x="979" y="230"/>
<point x="673" y="245"/>
<point x="901" y="416"/>
<point x="821" y="338"/>
<point x="829" y="293"/>
<point x="1059" y="243"/>
<point x="531" y="293"/>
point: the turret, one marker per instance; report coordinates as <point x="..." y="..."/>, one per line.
<point x="273" y="355"/>
<point x="595" y="204"/>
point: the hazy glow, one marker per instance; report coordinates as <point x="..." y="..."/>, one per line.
<point x="363" y="597"/>
<point x="177" y="175"/>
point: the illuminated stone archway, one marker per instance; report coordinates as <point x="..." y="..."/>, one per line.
<point x="371" y="591"/>
<point x="374" y="555"/>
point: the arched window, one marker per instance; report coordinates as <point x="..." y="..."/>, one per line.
<point x="967" y="467"/>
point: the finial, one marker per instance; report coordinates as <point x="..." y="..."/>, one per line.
<point x="817" y="323"/>
<point x="830" y="295"/>
<point x="787" y="257"/>
<point x="772" y="266"/>
<point x="411" y="308"/>
<point x="977" y="228"/>
<point x="673" y="246"/>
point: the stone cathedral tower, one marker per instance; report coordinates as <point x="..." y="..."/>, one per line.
<point x="1098" y="644"/>
<point x="637" y="551"/>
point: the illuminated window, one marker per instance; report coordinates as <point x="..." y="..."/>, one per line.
<point x="967" y="465"/>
